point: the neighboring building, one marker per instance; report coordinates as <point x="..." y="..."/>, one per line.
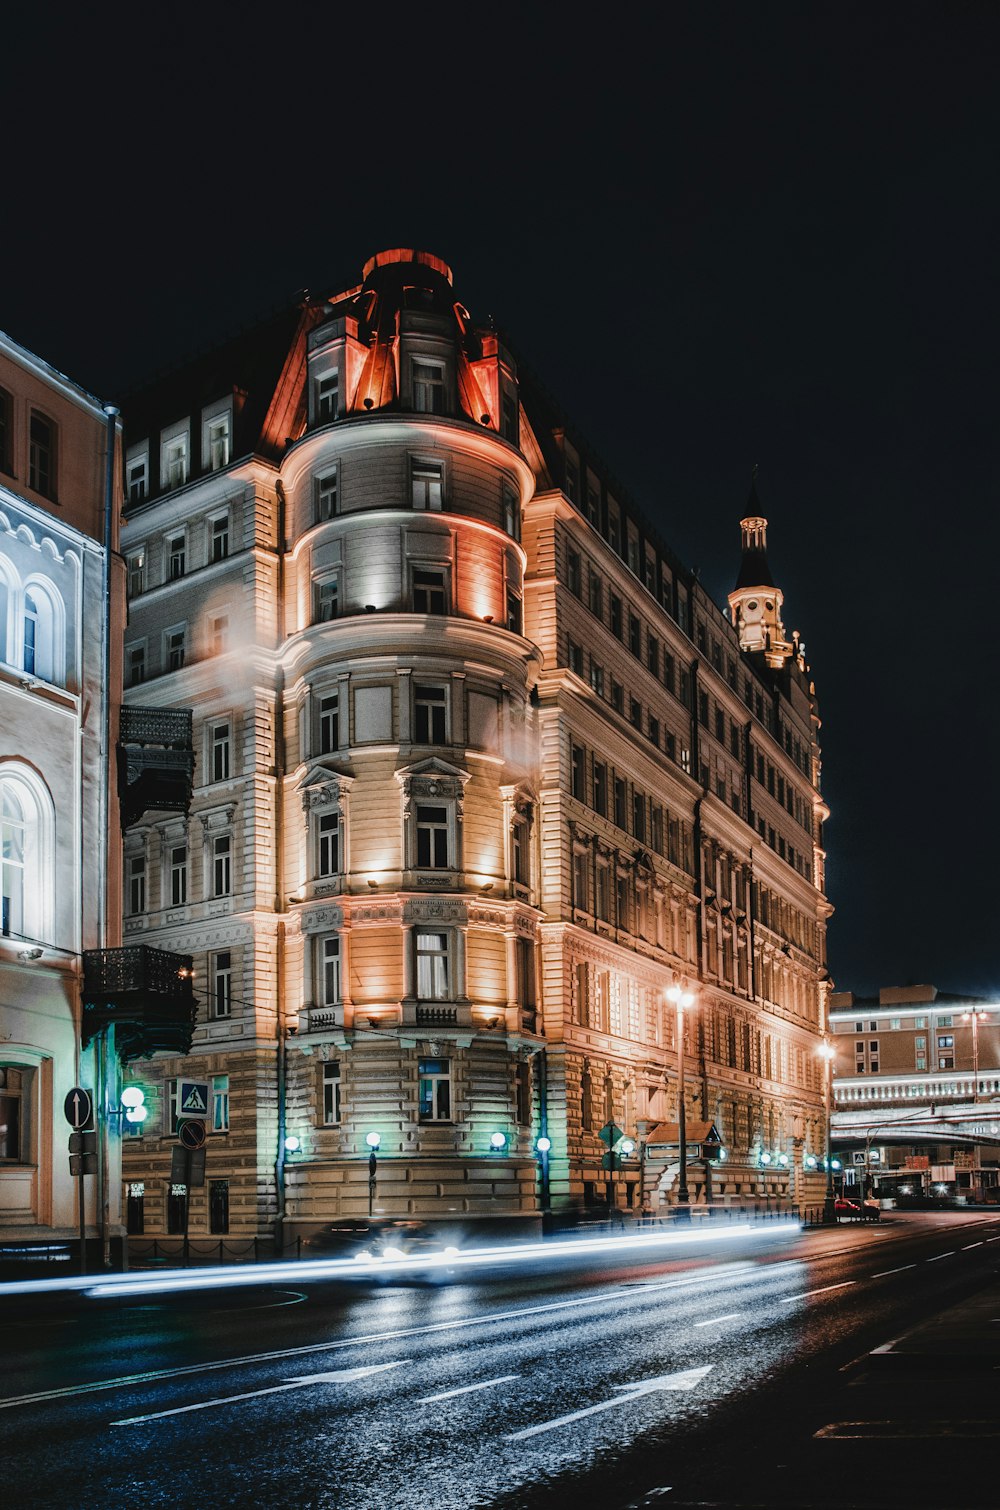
<point x="466" y="804"/>
<point x="917" y="1091"/>
<point x="62" y="609"/>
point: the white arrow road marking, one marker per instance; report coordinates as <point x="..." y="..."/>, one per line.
<point x="714" y="1320"/>
<point x="339" y="1376"/>
<point x="467" y="1389"/>
<point x="686" y="1379"/>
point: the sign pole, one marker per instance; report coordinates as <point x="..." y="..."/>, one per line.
<point x="187" y="1201"/>
<point x="81" y="1203"/>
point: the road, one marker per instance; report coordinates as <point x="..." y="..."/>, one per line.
<point x="700" y="1377"/>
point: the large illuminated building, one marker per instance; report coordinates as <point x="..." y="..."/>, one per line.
<point x="62" y="611"/>
<point x="482" y="772"/>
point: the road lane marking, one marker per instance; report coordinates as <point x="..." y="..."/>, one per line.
<point x="686" y="1379"/>
<point x="883" y="1272"/>
<point x="972" y="1245"/>
<point x="714" y="1320"/>
<point x="950" y="1254"/>
<point x="737" y="1271"/>
<point x="789" y="1299"/>
<point x="467" y="1389"/>
<point x="993" y="1239"/>
<point x="338" y="1376"/>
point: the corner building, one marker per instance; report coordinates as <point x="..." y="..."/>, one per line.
<point x="481" y="772"/>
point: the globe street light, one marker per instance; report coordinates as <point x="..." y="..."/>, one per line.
<point x="828" y="1052"/>
<point x="681" y="999"/>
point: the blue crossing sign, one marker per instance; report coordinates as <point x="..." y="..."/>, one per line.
<point x="192" y="1098"/>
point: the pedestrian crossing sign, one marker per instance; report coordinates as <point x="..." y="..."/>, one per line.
<point x="192" y="1098"/>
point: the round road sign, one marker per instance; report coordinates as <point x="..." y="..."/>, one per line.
<point x="191" y="1133"/>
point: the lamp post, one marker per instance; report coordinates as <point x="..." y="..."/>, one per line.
<point x="681" y="999"/>
<point x="973" y="1016"/>
<point x="828" y="1052"/>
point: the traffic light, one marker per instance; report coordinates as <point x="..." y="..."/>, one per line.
<point x="134" y="1104"/>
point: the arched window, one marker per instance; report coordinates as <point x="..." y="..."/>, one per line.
<point x="42" y="644"/>
<point x="26" y="854"/>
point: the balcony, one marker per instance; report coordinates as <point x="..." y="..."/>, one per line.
<point x="144" y="994"/>
<point x="155" y="761"/>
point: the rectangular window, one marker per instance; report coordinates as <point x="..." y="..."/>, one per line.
<point x="508" y="419"/>
<point x="222" y="865"/>
<point x="175" y="649"/>
<point x="635" y="713"/>
<point x="326" y="601"/>
<point x="435" y="1090"/>
<point x="426" y="484"/>
<point x="920" y="1022"/>
<point x="653" y="654"/>
<point x="616" y="616"/>
<point x="136" y="658"/>
<point x="574" y="575"/>
<point x="218" y="1206"/>
<point x="597" y="678"/>
<point x="653" y="732"/>
<point x="327" y="488"/>
<point x="596" y="596"/>
<point x="639" y="817"/>
<point x="945" y="1041"/>
<point x="432" y="965"/>
<point x="617" y="696"/>
<point x="621" y="801"/>
<point x="600" y="789"/>
<point x="430" y="594"/>
<point x="520" y="853"/>
<point x="135" y="883"/>
<point x="522" y="1094"/>
<point x="220" y="751"/>
<point x="178" y="875"/>
<point x="511" y="513"/>
<point x="603" y="889"/>
<point x="330" y="970"/>
<point x="176" y="557"/>
<point x="220" y="1103"/>
<point x="575" y="658"/>
<point x="218" y="628"/>
<point x="329" y="723"/>
<point x="219" y="444"/>
<point x="622" y="902"/>
<point x="578" y="773"/>
<point x="429" y="715"/>
<point x="432" y="837"/>
<point x="42" y="455"/>
<point x="635" y="635"/>
<point x="328" y="837"/>
<point x="6" y="433"/>
<point x="137" y="573"/>
<point x="581" y="880"/>
<point x="513" y="611"/>
<point x="220" y="537"/>
<point x="327" y="397"/>
<point x="220" y="977"/>
<point x="428" y="387"/>
<point x="331" y="1093"/>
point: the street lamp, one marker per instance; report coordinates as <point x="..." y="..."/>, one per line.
<point x="828" y="1052"/>
<point x="973" y="1016"/>
<point x="681" y="999"/>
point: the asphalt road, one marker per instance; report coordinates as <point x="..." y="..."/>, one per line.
<point x="618" y="1382"/>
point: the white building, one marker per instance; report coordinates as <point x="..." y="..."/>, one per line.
<point x="61" y="623"/>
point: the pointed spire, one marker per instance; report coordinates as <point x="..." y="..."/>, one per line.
<point x="755" y="602"/>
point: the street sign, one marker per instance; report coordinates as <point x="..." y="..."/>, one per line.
<point x="610" y="1134"/>
<point x="82" y="1163"/>
<point x="79" y="1108"/>
<point x="191" y="1133"/>
<point x="193" y="1098"/>
<point x="196" y="1167"/>
<point x="178" y="1166"/>
<point x="83" y="1142"/>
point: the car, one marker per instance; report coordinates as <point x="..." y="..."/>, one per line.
<point x="843" y="1207"/>
<point x="377" y="1238"/>
<point x="871" y="1211"/>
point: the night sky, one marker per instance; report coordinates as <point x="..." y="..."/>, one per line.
<point x="722" y="234"/>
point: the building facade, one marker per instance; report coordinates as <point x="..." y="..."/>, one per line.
<point x="62" y="610"/>
<point x="917" y="1092"/>
<point x="482" y="771"/>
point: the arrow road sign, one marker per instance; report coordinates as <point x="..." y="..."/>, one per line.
<point x="79" y="1108"/>
<point x="338" y="1376"/>
<point x="686" y="1379"/>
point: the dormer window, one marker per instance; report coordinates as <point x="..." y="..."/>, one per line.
<point x="42" y="455"/>
<point x="327" y="397"/>
<point x="175" y="457"/>
<point x="428" y="387"/>
<point x="137" y="474"/>
<point x="219" y="442"/>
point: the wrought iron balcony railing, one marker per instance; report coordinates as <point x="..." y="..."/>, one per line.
<point x="155" y="761"/>
<point x="145" y="994"/>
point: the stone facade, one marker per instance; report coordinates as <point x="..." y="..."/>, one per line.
<point x="482" y="771"/>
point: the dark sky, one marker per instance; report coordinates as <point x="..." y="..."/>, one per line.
<point x="723" y="234"/>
